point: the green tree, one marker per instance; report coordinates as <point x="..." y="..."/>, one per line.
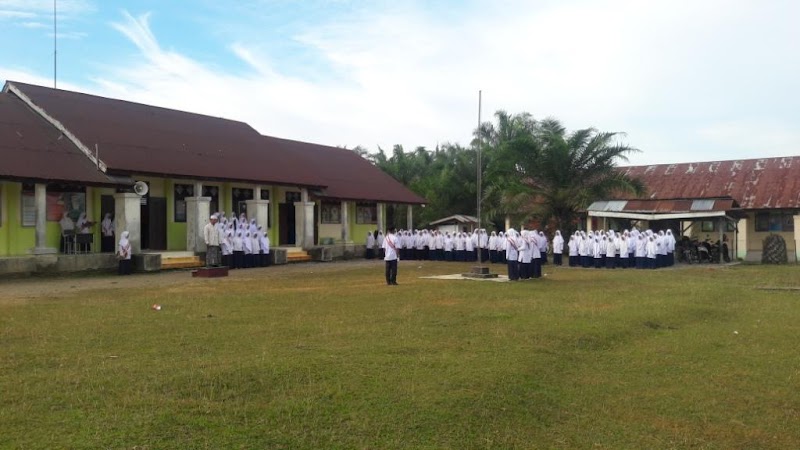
<point x="561" y="173"/>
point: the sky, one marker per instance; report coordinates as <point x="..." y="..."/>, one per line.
<point x="684" y="80"/>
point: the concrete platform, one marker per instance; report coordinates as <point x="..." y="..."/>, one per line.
<point x="210" y="272"/>
<point x="481" y="272"/>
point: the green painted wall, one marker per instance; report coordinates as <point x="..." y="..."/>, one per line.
<point x="18" y="240"/>
<point x="358" y="231"/>
<point x="4" y="221"/>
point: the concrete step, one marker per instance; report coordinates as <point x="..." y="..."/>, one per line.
<point x="296" y="257"/>
<point x="181" y="262"/>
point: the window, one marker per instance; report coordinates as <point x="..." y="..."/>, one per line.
<point x="775" y="222"/>
<point x="331" y="212"/>
<point x="366" y="213"/>
<point x="264" y="194"/>
<point x="239" y="196"/>
<point x="181" y="192"/>
<point x="213" y="193"/>
<point x="292" y="197"/>
<point x="707" y="226"/>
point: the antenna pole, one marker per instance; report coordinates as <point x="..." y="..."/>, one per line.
<point x="55" y="47"/>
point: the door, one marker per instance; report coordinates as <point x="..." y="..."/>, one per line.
<point x="107" y="207"/>
<point x="157" y="226"/>
<point x="286" y="224"/>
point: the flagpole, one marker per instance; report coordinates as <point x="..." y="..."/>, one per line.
<point x="480" y="144"/>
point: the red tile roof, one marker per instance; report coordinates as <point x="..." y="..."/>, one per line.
<point x="754" y="183"/>
<point x="31" y="149"/>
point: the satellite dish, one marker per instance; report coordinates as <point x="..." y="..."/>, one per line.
<point x="140" y="188"/>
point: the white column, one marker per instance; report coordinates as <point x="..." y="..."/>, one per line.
<point x="308" y="235"/>
<point x="259" y="210"/>
<point x="381" y="216"/>
<point x="127" y="217"/>
<point x="345" y="216"/>
<point x="797" y="238"/>
<point x="507" y="223"/>
<point x="741" y="239"/>
<point x="197" y="216"/>
<point x="410" y="217"/>
<point x="40" y="197"/>
<point x="588" y="223"/>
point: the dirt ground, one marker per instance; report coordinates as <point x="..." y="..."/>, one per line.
<point x="28" y="288"/>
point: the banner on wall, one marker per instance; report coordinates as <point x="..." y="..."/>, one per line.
<point x="58" y="203"/>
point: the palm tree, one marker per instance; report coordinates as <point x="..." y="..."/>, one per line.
<point x="560" y="173"/>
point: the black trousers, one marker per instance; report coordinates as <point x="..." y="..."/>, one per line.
<point x="557" y="259"/>
<point x="125" y="267"/>
<point x="391" y="271"/>
<point x="513" y="270"/>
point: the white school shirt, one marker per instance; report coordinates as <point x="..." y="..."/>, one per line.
<point x="390" y="248"/>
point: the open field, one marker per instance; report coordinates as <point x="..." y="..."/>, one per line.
<point x="325" y="356"/>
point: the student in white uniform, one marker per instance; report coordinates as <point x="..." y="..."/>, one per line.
<point x="264" y="242"/>
<point x="558" y="248"/>
<point x="238" y="249"/>
<point x="512" y="253"/>
<point x="390" y="257"/>
<point x="370" y="244"/>
<point x="524" y="255"/>
<point x="107" y="234"/>
<point x="124" y="254"/>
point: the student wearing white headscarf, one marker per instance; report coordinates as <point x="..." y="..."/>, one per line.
<point x="448" y="247"/>
<point x="483" y="245"/>
<point x="597" y="247"/>
<point x="524" y="250"/>
<point x="572" y="247"/>
<point x="263" y="241"/>
<point x="641" y="251"/>
<point x="379" y="243"/>
<point x="370" y="244"/>
<point x="107" y="234"/>
<point x="558" y="248"/>
<point x="238" y="250"/>
<point x="84" y="233"/>
<point x="226" y="247"/>
<point x="512" y="254"/>
<point x="502" y="245"/>
<point x="652" y="252"/>
<point x="124" y="254"/>
<point x="255" y="243"/>
<point x="67" y="232"/>
<point x="247" y="246"/>
<point x="536" y="254"/>
<point x="611" y="261"/>
<point x="623" y="250"/>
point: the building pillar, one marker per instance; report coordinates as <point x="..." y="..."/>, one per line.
<point x="588" y="223"/>
<point x="741" y="239"/>
<point x="381" y="207"/>
<point x="304" y="221"/>
<point x="345" y="216"/>
<point x="197" y="216"/>
<point x="797" y="238"/>
<point x="127" y="217"/>
<point x="40" y="197"/>
<point x="410" y="217"/>
<point x="259" y="210"/>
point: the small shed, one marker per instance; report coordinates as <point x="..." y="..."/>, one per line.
<point x="455" y="223"/>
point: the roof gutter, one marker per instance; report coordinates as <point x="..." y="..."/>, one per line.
<point x="654" y="216"/>
<point x="93" y="157"/>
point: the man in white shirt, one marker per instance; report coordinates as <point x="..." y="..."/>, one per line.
<point x="211" y="236"/>
<point x="390" y="257"/>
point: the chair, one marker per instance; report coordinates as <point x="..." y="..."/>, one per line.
<point x="68" y="242"/>
<point x="84" y="242"/>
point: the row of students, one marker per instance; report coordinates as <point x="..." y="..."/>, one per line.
<point x="629" y="249"/>
<point x="243" y="243"/>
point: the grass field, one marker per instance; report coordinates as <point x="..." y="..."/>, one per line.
<point x="325" y="356"/>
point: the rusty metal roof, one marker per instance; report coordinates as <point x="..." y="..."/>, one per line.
<point x="344" y="174"/>
<point x="764" y="183"/>
<point x="665" y="205"/>
<point x="31" y="149"/>
<point x="135" y="138"/>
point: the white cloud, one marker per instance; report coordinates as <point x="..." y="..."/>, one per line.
<point x="673" y="74"/>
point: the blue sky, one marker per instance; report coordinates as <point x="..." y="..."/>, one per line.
<point x="685" y="80"/>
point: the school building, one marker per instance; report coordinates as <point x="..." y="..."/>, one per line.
<point x="67" y="152"/>
<point x="742" y="200"/>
